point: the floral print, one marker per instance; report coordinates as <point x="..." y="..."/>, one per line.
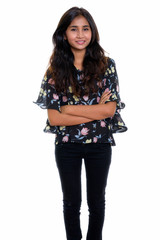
<point x="84" y="131"/>
<point x="103" y="124"/>
<point x="97" y="131"/>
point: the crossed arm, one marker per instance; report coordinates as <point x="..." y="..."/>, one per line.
<point x="77" y="114"/>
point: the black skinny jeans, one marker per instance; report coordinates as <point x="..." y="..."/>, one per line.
<point x="97" y="159"/>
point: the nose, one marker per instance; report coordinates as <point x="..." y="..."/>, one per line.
<point x="80" y="34"/>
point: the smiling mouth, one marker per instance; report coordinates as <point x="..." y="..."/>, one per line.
<point x="80" y="42"/>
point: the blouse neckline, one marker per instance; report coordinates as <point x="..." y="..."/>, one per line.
<point x="78" y="70"/>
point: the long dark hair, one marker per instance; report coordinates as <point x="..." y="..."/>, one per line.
<point x="61" y="68"/>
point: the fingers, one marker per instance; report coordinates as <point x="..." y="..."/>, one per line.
<point x="107" y="91"/>
<point x="63" y="109"/>
<point x="105" y="96"/>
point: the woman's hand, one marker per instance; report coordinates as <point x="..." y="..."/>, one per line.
<point x="105" y="96"/>
<point x="64" y="109"/>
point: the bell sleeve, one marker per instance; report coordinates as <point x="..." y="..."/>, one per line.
<point x="112" y="83"/>
<point x="48" y="99"/>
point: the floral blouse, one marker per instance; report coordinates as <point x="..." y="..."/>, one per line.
<point x="97" y="131"/>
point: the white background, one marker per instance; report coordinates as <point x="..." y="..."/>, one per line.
<point x="31" y="199"/>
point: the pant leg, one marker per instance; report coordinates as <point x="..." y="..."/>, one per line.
<point x="97" y="163"/>
<point x="69" y="164"/>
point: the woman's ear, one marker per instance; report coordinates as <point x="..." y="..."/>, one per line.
<point x="65" y="38"/>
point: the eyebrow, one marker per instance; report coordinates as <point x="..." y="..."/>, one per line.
<point x="77" y="26"/>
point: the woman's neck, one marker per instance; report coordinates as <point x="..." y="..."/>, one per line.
<point x="78" y="59"/>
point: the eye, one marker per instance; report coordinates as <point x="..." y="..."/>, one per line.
<point x="86" y="29"/>
<point x="73" y="29"/>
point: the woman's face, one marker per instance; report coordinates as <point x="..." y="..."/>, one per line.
<point x="78" y="34"/>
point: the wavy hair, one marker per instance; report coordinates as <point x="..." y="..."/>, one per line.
<point x="61" y="64"/>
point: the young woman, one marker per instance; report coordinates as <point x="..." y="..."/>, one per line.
<point x="81" y="94"/>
